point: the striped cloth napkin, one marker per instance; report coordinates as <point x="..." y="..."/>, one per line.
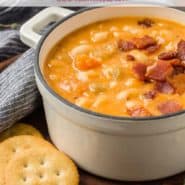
<point x="18" y="93"/>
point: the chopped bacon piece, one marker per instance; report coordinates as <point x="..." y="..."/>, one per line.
<point x="168" y="55"/>
<point x="146" y="23"/>
<point x="165" y="87"/>
<point x="153" y="48"/>
<point x="130" y="57"/>
<point x="178" y="82"/>
<point x="178" y="70"/>
<point x="169" y="106"/>
<point x="140" y="70"/>
<point x="138" y="112"/>
<point x="150" y="94"/>
<point x="126" y="45"/>
<point x="144" y="42"/>
<point x="178" y="66"/>
<point x="176" y="62"/>
<point x="159" y="71"/>
<point x="181" y="50"/>
<point x="183" y="63"/>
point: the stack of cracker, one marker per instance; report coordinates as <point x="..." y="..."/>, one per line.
<point x="27" y="159"/>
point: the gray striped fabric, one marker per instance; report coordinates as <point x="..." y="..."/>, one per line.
<point x="18" y="92"/>
<point x="10" y="44"/>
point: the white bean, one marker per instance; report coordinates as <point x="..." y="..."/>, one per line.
<point x="66" y="86"/>
<point x="167" y="34"/>
<point x="161" y="24"/>
<point x="83" y="102"/>
<point x="114" y="28"/>
<point x="160" y="40"/>
<point x="104" y="51"/>
<point x="117" y="34"/>
<point x="99" y="37"/>
<point x="53" y="77"/>
<point x="84" y="42"/>
<point x="81" y="49"/>
<point x="112" y="72"/>
<point x="122" y="95"/>
<point x="97" y="87"/>
<point x="131" y="29"/>
<point x="126" y="94"/>
<point x="84" y="76"/>
<point x="140" y="56"/>
<point x="170" y="47"/>
<point x="125" y="63"/>
<point x="113" y="84"/>
<point x="130" y="82"/>
<point x="153" y="33"/>
<point x="132" y="104"/>
<point x="100" y="99"/>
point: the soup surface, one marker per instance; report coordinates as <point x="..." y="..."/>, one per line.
<point x="131" y="66"/>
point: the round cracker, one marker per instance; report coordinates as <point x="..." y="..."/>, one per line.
<point x="18" y="145"/>
<point x="41" y="167"/>
<point x="19" y="129"/>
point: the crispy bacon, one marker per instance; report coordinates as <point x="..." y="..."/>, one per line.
<point x="169" y="106"/>
<point x="130" y="57"/>
<point x="146" y="23"/>
<point x="183" y="63"/>
<point x="178" y="70"/>
<point x="140" y="70"/>
<point x="176" y="62"/>
<point x="178" y="82"/>
<point x="144" y="42"/>
<point x="138" y="112"/>
<point x="164" y="87"/>
<point x="181" y="50"/>
<point x="124" y="45"/>
<point x="178" y="66"/>
<point x="150" y="94"/>
<point x="153" y="48"/>
<point x="168" y="55"/>
<point x="159" y="71"/>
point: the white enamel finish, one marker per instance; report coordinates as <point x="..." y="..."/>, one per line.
<point x="29" y="32"/>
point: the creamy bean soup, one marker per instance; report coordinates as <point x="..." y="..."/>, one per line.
<point x="131" y="66"/>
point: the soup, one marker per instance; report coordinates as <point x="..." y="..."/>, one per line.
<point x="131" y="66"/>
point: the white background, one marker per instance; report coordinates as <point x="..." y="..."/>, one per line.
<point x="84" y="2"/>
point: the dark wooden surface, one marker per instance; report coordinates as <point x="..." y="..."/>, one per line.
<point x="37" y="119"/>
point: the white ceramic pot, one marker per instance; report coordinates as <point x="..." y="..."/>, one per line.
<point x="112" y="147"/>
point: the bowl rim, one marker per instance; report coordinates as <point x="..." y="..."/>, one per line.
<point x="38" y="73"/>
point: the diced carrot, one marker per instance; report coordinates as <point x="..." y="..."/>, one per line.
<point x="81" y="88"/>
<point x="83" y="62"/>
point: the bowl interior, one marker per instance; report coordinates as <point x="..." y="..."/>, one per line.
<point x="88" y="16"/>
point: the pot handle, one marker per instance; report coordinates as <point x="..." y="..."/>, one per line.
<point x="29" y="32"/>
